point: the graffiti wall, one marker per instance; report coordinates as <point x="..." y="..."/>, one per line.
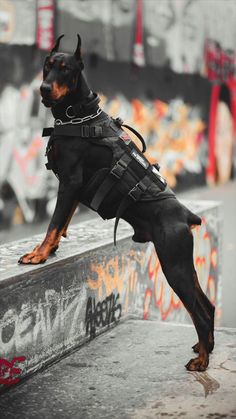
<point x="174" y="133"/>
<point x="174" y="94"/>
<point x="46" y="311"/>
<point x="26" y="188"/>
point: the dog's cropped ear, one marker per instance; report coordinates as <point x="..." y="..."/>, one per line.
<point x="56" y="46"/>
<point x="77" y="53"/>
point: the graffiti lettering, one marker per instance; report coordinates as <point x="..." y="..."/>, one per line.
<point x="38" y="324"/>
<point x="101" y="314"/>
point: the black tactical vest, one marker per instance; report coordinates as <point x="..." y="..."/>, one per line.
<point x="110" y="190"/>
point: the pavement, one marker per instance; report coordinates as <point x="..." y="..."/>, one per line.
<point x="135" y="370"/>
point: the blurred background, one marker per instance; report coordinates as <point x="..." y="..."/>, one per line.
<point x="165" y="66"/>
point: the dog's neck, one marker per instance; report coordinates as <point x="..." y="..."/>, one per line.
<point x="82" y="97"/>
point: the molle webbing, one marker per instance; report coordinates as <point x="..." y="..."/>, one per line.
<point x="121" y="173"/>
<point x="115" y="174"/>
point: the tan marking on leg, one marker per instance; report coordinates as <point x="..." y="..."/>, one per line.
<point x="41" y="252"/>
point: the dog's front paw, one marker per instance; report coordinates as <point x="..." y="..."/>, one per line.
<point x="33" y="258"/>
<point x="198" y="364"/>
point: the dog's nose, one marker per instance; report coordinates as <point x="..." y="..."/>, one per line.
<point x="45" y="88"/>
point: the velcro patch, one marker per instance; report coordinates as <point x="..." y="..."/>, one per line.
<point x="126" y="138"/>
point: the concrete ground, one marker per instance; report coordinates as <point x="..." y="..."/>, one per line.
<point x="134" y="371"/>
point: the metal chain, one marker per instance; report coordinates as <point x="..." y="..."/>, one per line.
<point x="78" y="120"/>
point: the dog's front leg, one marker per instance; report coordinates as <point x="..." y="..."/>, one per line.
<point x="66" y="204"/>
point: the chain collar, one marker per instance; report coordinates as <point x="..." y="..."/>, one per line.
<point x="78" y="120"/>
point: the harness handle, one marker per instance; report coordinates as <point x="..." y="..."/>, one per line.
<point x="120" y="123"/>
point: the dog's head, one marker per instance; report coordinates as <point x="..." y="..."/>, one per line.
<point x="60" y="74"/>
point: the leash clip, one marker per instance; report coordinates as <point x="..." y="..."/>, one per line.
<point x="119" y="122"/>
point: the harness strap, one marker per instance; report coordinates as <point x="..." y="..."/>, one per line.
<point x="133" y="195"/>
<point x="115" y="174"/>
<point x="87" y="131"/>
<point x="83" y="131"/>
<point x="47" y="132"/>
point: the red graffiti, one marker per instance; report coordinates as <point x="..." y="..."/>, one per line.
<point x="9" y="372"/>
<point x="220" y="63"/>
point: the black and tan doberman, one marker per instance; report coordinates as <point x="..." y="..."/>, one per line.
<point x="98" y="165"/>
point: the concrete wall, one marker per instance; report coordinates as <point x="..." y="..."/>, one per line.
<point x="89" y="286"/>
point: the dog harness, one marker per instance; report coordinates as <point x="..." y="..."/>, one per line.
<point x="130" y="179"/>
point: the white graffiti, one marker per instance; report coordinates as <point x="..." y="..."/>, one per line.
<point x="41" y="324"/>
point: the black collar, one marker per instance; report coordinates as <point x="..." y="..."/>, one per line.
<point x="87" y="105"/>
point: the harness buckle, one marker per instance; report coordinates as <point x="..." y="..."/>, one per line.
<point x="96" y="131"/>
<point x="85" y="131"/>
<point x="119" y="169"/>
<point x="137" y="191"/>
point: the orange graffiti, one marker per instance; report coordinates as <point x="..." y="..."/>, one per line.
<point x="174" y="132"/>
<point x="108" y="275"/>
<point x="165" y="300"/>
<point x="147" y="302"/>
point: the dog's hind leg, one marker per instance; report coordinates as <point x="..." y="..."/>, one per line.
<point x="210" y="310"/>
<point x="174" y="246"/>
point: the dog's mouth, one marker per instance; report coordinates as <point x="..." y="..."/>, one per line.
<point x="48" y="102"/>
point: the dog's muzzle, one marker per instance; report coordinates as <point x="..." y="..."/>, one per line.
<point x="46" y="91"/>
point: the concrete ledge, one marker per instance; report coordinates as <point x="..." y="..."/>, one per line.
<point x="89" y="286"/>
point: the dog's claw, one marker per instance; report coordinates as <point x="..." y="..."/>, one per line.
<point x="32" y="259"/>
<point x="195" y="348"/>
